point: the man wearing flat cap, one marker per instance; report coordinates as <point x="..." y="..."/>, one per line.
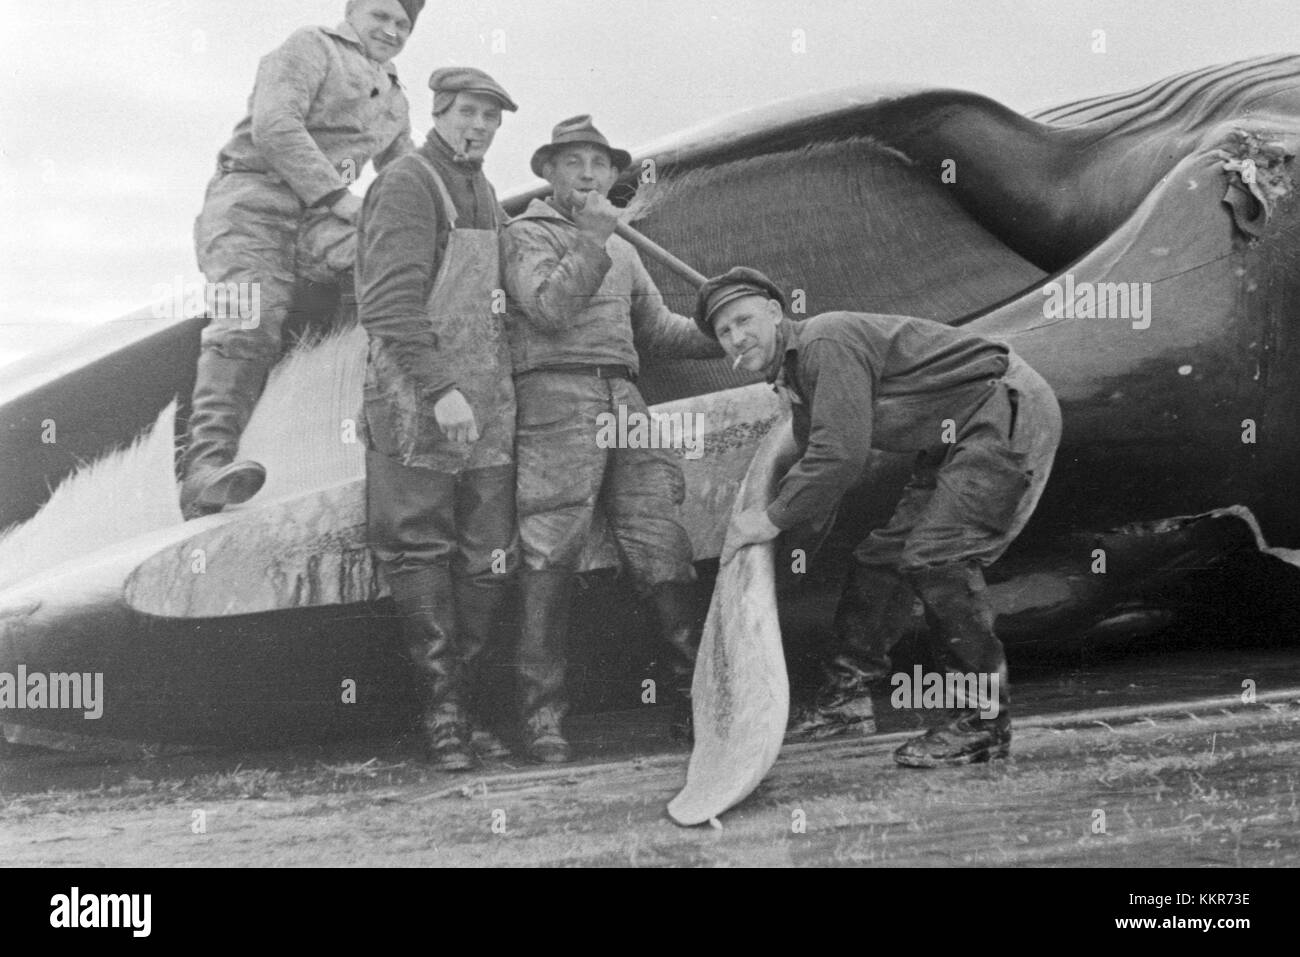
<point x="440" y="404"/>
<point x="984" y="427"/>
<point x="278" y="209"/>
<point x="582" y="305"/>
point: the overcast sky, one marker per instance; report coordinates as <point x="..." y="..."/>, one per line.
<point x="113" y="110"/>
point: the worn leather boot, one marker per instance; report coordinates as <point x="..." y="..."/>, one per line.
<point x="479" y="603"/>
<point x="966" y="739"/>
<point x="425" y="598"/>
<point x="681" y="628"/>
<point x="225" y="392"/>
<point x="961" y="626"/>
<point x="543" y="636"/>
<point x="873" y="614"/>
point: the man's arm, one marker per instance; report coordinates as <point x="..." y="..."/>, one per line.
<point x="548" y="279"/>
<point x="657" y="330"/>
<point x="288" y="80"/>
<point x="840" y="385"/>
<point x="396" y="268"/>
<point x="399" y="147"/>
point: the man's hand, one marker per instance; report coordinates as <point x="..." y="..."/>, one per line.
<point x="596" y="217"/>
<point x="747" y="528"/>
<point x="348" y="207"/>
<point x="456" y="418"/>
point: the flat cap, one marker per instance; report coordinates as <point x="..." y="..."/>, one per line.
<point x="735" y="283"/>
<point x="466" y="79"/>
<point x="412" y="8"/>
<point x="579" y="129"/>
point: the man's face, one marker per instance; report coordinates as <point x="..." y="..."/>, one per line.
<point x="577" y="171"/>
<point x="746" y="327"/>
<point x="470" y="124"/>
<point x="382" y="25"/>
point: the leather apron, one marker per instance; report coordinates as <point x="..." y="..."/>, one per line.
<point x="471" y="341"/>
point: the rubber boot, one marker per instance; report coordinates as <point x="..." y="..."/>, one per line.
<point x="225" y="392"/>
<point x="479" y="603"/>
<point x="961" y="625"/>
<point x="426" y="600"/>
<point x="543" y="636"/>
<point x="681" y="628"/>
<point x="874" y="612"/>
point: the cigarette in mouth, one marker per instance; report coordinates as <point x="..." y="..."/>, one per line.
<point x="736" y="365"/>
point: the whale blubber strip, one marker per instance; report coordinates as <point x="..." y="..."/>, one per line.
<point x="741" y="693"/>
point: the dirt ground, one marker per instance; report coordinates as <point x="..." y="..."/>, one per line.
<point x="1105" y="773"/>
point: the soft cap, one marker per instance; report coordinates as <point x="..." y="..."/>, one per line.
<point x="450" y="80"/>
<point x="736" y="282"/>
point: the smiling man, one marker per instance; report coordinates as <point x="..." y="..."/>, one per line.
<point x="325" y="103"/>
<point x="582" y="305"/>
<point x="440" y="403"/>
<point x="984" y="427"/>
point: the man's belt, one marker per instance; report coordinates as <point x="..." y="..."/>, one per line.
<point x="579" y="368"/>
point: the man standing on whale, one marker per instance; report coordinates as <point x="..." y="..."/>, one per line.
<point x="984" y="427"/>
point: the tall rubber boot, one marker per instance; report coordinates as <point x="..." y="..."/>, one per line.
<point x="225" y="392"/>
<point x="874" y="612"/>
<point x="961" y="625"/>
<point x="547" y="595"/>
<point x="479" y="604"/>
<point x="681" y="628"/>
<point x="426" y="600"/>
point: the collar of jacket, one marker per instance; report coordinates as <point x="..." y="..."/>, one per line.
<point x="347" y="33"/>
<point x="541" y="209"/>
<point x="787" y="349"/>
<point x="438" y="148"/>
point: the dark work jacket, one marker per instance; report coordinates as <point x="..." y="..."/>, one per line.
<point x="401" y="237"/>
<point x="860" y="381"/>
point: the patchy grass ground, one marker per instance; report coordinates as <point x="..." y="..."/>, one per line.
<point x="1217" y="786"/>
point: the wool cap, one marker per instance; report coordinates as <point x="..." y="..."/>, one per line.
<point x="412" y="8"/>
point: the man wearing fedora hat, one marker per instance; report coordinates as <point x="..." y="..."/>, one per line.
<point x="278" y="209"/>
<point x="985" y="428"/>
<point x="440" y="404"/>
<point x="582" y="304"/>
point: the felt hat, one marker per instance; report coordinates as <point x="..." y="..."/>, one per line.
<point x="579" y="129"/>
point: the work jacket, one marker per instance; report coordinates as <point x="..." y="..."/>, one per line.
<point x="859" y="381"/>
<point x="574" y="301"/>
<point x="320" y="110"/>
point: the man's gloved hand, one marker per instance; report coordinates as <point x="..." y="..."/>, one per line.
<point x="347" y="207"/>
<point x="456" y="418"/>
<point x="596" y="217"/>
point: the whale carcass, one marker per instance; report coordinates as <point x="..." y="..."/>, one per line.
<point x="1138" y="249"/>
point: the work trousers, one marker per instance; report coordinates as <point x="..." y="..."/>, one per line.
<point x="465" y="522"/>
<point x="567" y="481"/>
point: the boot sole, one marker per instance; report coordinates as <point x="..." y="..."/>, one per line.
<point x="863" y="727"/>
<point x="996" y="752"/>
<point x="454" y="762"/>
<point x="550" y="757"/>
<point x="488" y="747"/>
<point x="233" y="484"/>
